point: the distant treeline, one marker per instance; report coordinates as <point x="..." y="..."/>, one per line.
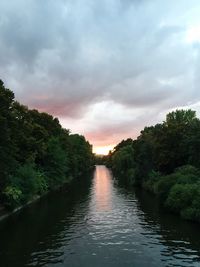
<point x="36" y="153"/>
<point x="164" y="159"/>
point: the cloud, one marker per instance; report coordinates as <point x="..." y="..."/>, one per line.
<point x="70" y="58"/>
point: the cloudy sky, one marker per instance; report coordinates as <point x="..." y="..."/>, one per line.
<point x="105" y="68"/>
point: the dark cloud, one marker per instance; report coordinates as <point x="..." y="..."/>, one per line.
<point x="64" y="56"/>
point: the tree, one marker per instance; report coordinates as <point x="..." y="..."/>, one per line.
<point x="7" y="147"/>
<point x="36" y="153"/>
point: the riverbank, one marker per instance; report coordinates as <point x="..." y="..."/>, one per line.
<point x="164" y="159"/>
<point x="5" y="213"/>
<point x="37" y="154"/>
<point x="178" y="192"/>
<point x="67" y="186"/>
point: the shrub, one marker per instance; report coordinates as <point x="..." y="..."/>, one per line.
<point x="185" y="199"/>
<point x="41" y="183"/>
<point x="163" y="186"/>
<point x="180" y="197"/>
<point x="25" y="183"/>
<point x="188" y="170"/>
<point x="12" y="196"/>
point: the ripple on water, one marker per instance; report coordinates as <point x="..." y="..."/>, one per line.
<point x="106" y="226"/>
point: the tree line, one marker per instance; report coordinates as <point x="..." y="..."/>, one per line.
<point x="36" y="153"/>
<point x="165" y="160"/>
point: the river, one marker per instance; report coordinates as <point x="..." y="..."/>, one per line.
<point x="98" y="223"/>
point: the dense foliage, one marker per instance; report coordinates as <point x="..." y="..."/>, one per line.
<point x="165" y="159"/>
<point x="36" y="153"/>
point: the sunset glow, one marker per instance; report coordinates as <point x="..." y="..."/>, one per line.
<point x="102" y="192"/>
<point x="102" y="150"/>
<point x="85" y="67"/>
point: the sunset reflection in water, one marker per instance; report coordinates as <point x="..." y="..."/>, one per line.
<point x="102" y="189"/>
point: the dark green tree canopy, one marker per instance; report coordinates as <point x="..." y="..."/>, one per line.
<point x="36" y="153"/>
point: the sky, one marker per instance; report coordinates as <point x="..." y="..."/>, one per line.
<point x="105" y="68"/>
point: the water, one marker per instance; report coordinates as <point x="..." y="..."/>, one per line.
<point x="98" y="223"/>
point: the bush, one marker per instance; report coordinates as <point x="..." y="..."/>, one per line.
<point x="180" y="197"/>
<point x="163" y="186"/>
<point x="185" y="199"/>
<point x="193" y="212"/>
<point x="41" y="183"/>
<point x="187" y="174"/>
<point x="13" y="196"/>
<point x="24" y="184"/>
<point x="188" y="170"/>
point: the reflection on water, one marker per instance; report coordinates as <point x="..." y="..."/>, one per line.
<point x="102" y="190"/>
<point x="98" y="223"/>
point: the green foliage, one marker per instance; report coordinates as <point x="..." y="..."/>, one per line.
<point x="130" y="176"/>
<point x="165" y="159"/>
<point x="180" y="117"/>
<point x="36" y="153"/>
<point x="100" y="160"/>
<point x="165" y="147"/>
<point x="179" y="191"/>
<point x="185" y="199"/>
<point x="7" y="145"/>
<point x="123" y="143"/>
<point x="163" y="186"/>
<point x="28" y="180"/>
<point x="55" y="163"/>
<point x="123" y="159"/>
<point x="41" y="183"/>
<point x="188" y="170"/>
<point x="153" y="178"/>
<point x="82" y="158"/>
<point x="24" y="185"/>
<point x="180" y="196"/>
<point x="13" y="196"/>
<point x="123" y="163"/>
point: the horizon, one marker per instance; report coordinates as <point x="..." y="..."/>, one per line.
<point x="105" y="69"/>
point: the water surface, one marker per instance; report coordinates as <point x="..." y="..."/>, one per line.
<point x="98" y="223"/>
